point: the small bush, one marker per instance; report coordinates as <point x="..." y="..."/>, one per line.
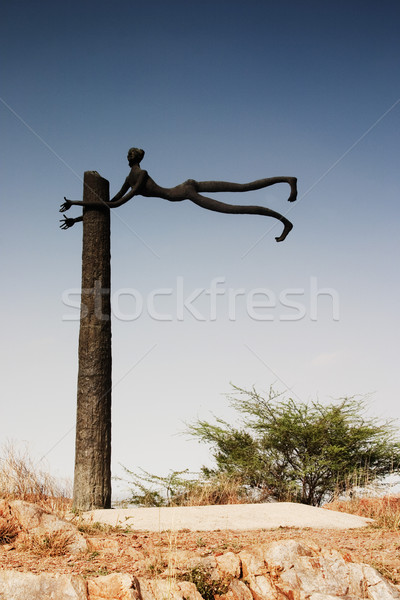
<point x="219" y="489"/>
<point x="96" y="528"/>
<point x="177" y="489"/>
<point x="206" y="585"/>
<point x="54" y="543"/>
<point x="9" y="530"/>
<point x="90" y="527"/>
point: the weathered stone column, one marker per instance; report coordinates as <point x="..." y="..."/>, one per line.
<point x="92" y="481"/>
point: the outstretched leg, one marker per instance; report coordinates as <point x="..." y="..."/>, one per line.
<point x="227" y="186"/>
<point x="222" y="207"/>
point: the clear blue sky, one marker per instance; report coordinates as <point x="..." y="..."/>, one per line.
<point x="211" y="90"/>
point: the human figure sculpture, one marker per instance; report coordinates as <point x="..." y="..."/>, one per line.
<point x="141" y="184"/>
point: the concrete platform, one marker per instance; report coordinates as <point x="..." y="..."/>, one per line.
<point x="228" y="517"/>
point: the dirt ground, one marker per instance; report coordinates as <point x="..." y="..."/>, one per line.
<point x="148" y="554"/>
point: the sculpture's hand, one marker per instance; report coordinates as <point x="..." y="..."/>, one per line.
<point x="67" y="223"/>
<point x="66" y="205"/>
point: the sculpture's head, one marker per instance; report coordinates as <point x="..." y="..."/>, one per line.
<point x="135" y="156"/>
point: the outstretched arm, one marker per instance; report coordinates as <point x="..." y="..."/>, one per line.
<point x="66" y="205"/>
<point x="121" y="192"/>
<point x="122" y="196"/>
<point x="118" y="200"/>
<point x="68" y="222"/>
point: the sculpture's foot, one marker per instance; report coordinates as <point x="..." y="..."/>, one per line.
<point x="293" y="187"/>
<point x="286" y="230"/>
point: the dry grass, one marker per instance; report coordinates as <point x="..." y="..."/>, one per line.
<point x="223" y="489"/>
<point x="90" y="527"/>
<point x="385" y="510"/>
<point x="9" y="529"/>
<point x="21" y="479"/>
<point x="48" y="544"/>
<point x="93" y="528"/>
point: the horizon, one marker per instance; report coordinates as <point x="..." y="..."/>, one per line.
<point x="233" y="93"/>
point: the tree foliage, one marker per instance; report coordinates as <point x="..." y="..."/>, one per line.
<point x="300" y="452"/>
<point x="148" y="489"/>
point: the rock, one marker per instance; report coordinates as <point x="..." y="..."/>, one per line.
<point x="237" y="591"/>
<point x="189" y="591"/>
<point x="369" y="581"/>
<point x="313" y="574"/>
<point x="283" y="553"/>
<point x="33" y="519"/>
<point x="23" y="586"/>
<point x="117" y="586"/>
<point x="281" y="570"/>
<point x="318" y="596"/>
<point x="253" y="562"/>
<point x="229" y="564"/>
<point x="28" y="515"/>
<point x="261" y="587"/>
<point x="208" y="563"/>
<point x="300" y="571"/>
<point x="160" y="589"/>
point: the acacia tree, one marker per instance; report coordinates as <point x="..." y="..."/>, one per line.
<point x="300" y="452"/>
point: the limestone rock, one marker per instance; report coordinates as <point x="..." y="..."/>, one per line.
<point x="371" y="582"/>
<point x="284" y="553"/>
<point x="318" y="596"/>
<point x="33" y="519"/>
<point x="262" y="587"/>
<point x="305" y="572"/>
<point x="229" y="564"/>
<point x="281" y="570"/>
<point x="208" y="563"/>
<point x="160" y="589"/>
<point x="253" y="562"/>
<point x="189" y="591"/>
<point x="21" y="586"/>
<point x="313" y="574"/>
<point x="237" y="591"/>
<point x="117" y="586"/>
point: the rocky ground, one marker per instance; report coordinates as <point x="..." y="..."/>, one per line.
<point x="92" y="555"/>
<point x="145" y="554"/>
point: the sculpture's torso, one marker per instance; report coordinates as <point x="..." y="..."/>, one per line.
<point x="150" y="188"/>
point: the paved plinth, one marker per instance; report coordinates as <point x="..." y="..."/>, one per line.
<point x="232" y="517"/>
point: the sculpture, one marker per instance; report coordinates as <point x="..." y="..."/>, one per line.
<point x="140" y="183"/>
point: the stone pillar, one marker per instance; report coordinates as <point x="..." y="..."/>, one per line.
<point x="92" y="480"/>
